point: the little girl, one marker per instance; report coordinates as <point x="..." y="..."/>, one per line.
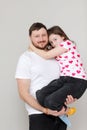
<point x="73" y="79"/>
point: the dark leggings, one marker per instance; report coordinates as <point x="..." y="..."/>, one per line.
<point x="45" y="122"/>
<point x="54" y="94"/>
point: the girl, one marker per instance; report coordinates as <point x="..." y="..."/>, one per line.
<point x="73" y="79"/>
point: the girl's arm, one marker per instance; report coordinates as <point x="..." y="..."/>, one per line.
<point x="50" y="53"/>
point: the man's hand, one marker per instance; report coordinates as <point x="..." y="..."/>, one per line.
<point x="55" y="112"/>
<point x="70" y="99"/>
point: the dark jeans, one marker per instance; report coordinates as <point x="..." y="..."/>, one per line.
<point x="54" y="94"/>
<point x="45" y="122"/>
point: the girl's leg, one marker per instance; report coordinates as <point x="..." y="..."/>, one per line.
<point x="79" y="88"/>
<point x="55" y="101"/>
<point x="49" y="89"/>
<point x="73" y="86"/>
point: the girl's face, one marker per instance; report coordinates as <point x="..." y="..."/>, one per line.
<point x="55" y="39"/>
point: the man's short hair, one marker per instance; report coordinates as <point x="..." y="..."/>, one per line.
<point x="36" y="26"/>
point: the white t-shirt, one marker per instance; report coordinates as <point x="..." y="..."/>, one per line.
<point x="38" y="70"/>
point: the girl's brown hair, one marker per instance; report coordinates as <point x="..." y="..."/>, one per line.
<point x="57" y="30"/>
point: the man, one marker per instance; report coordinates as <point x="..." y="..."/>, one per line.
<point x="34" y="72"/>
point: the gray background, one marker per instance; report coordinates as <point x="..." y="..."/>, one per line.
<point x="16" y="16"/>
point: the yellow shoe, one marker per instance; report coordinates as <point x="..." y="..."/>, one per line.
<point x="71" y="111"/>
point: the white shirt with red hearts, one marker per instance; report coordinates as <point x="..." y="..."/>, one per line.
<point x="70" y="62"/>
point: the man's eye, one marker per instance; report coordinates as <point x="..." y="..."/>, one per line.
<point x="37" y="36"/>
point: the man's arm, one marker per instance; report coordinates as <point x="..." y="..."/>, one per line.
<point x="23" y="88"/>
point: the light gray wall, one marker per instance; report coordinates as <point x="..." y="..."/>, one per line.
<point x="15" y="18"/>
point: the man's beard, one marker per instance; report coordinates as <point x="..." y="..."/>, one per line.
<point x="42" y="48"/>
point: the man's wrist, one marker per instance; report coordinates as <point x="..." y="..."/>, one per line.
<point x="45" y="110"/>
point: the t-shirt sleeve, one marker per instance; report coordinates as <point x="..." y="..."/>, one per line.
<point x="67" y="44"/>
<point x="23" y="68"/>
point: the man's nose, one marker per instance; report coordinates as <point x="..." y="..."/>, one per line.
<point x="41" y="38"/>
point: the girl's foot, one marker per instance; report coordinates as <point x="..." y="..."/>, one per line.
<point x="70" y="111"/>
